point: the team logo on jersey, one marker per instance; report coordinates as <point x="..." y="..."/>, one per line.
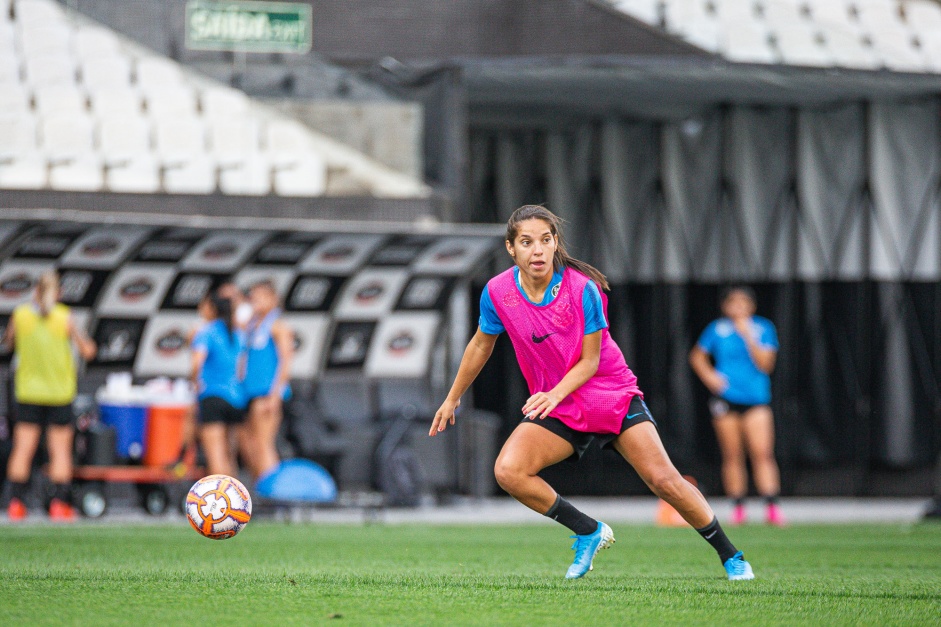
<point x="539" y="339"/>
<point x="555" y="290"/>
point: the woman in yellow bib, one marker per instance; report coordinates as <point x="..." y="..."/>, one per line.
<point x="42" y="334"/>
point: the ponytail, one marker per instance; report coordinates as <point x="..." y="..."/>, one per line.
<point x="561" y="259"/>
<point x="223" y="307"/>
<point x="47" y="292"/>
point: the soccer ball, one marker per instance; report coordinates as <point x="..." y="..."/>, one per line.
<point x="218" y="506"/>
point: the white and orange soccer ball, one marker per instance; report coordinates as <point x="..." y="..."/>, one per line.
<point x="218" y="506"/>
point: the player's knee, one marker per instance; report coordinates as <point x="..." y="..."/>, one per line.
<point x="508" y="474"/>
<point x="667" y="484"/>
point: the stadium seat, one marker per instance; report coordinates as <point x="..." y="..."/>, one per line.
<point x="115" y="101"/>
<point x="55" y="98"/>
<point x="305" y="175"/>
<point x="680" y="15"/>
<point x="848" y="50"/>
<point x="93" y="43"/>
<point x="83" y="174"/>
<point x="798" y="44"/>
<point x="66" y="135"/>
<point x="26" y="171"/>
<point x="748" y="42"/>
<point x="9" y="66"/>
<point x="170" y="101"/>
<point x="736" y="11"/>
<point x="233" y="139"/>
<point x="706" y="35"/>
<point x="17" y="133"/>
<point x="251" y="177"/>
<point x="216" y="102"/>
<point x="196" y="175"/>
<point x="37" y="11"/>
<point x="13" y="98"/>
<point x="894" y="44"/>
<point x="139" y="175"/>
<point x="833" y="14"/>
<point x="154" y="73"/>
<point x="284" y="139"/>
<point x="645" y="10"/>
<point x="50" y="69"/>
<point x="923" y="17"/>
<point x="121" y="138"/>
<point x="178" y="139"/>
<point x="110" y="71"/>
<point x="49" y="38"/>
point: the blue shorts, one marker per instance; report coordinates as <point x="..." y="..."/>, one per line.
<point x="637" y="412"/>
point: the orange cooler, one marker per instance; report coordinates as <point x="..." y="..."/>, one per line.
<point x="165" y="426"/>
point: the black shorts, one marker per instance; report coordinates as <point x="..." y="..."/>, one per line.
<point x="637" y="412"/>
<point x="719" y="407"/>
<point x="44" y="415"/>
<point x="215" y="409"/>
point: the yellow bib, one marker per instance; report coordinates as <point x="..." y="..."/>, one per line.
<point x="45" y="372"/>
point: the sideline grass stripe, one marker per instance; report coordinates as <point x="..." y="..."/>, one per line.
<point x="512" y="575"/>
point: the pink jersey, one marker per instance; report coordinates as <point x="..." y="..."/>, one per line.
<point x="548" y="343"/>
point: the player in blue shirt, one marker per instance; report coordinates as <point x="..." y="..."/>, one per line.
<point x="743" y="348"/>
<point x="216" y="350"/>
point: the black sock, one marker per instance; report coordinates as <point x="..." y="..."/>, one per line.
<point x="565" y="513"/>
<point x="18" y="489"/>
<point x="713" y="534"/>
<point x="771" y="499"/>
<point x="62" y="491"/>
<point x="738" y="501"/>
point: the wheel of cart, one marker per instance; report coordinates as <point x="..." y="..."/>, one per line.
<point x="154" y="498"/>
<point x="91" y="498"/>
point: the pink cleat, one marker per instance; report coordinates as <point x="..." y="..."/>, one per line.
<point x="773" y="515"/>
<point x="738" y="515"/>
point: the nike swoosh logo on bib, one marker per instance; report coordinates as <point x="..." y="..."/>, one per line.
<point x="539" y="339"/>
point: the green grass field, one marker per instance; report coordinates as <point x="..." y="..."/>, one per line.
<point x="308" y="574"/>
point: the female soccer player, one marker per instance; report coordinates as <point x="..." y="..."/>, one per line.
<point x="270" y="349"/>
<point x="581" y="389"/>
<point x="744" y="347"/>
<point x="216" y="350"/>
<point x="43" y="332"/>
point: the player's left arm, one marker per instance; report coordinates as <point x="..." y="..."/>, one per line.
<point x="87" y="348"/>
<point x="283" y="338"/>
<point x="542" y="404"/>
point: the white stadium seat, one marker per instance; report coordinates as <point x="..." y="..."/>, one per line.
<point x="848" y="50"/>
<point x="171" y="101"/>
<point x="179" y="139"/>
<point x="115" y="101"/>
<point x="285" y="139"/>
<point x="706" y="35"/>
<point x="196" y="175"/>
<point x="50" y="69"/>
<point x="251" y="177"/>
<point x="800" y="45"/>
<point x="736" y="11"/>
<point x="748" y="42"/>
<point x="123" y="137"/>
<point x="644" y="10"/>
<point x="13" y="99"/>
<point x="84" y="174"/>
<point x="894" y="44"/>
<point x="833" y="14"/>
<point x="9" y="64"/>
<point x="66" y="135"/>
<point x="110" y="71"/>
<point x="17" y="133"/>
<point x="233" y="139"/>
<point x="154" y="73"/>
<point x="26" y="171"/>
<point x="37" y="11"/>
<point x="139" y="175"/>
<point x="92" y="43"/>
<point x="52" y="37"/>
<point x="55" y="98"/>
<point x="305" y="175"/>
<point x="681" y="14"/>
<point x="221" y="101"/>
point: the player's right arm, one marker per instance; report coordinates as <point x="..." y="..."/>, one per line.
<point x="476" y="354"/>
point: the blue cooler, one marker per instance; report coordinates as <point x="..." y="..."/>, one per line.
<point x="129" y="422"/>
